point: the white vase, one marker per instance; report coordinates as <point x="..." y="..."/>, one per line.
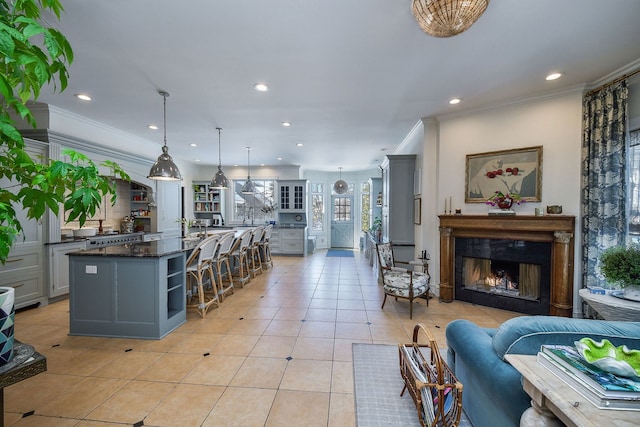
<point x="7" y="314"/>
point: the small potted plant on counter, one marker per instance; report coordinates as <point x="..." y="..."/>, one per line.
<point x="620" y="266"/>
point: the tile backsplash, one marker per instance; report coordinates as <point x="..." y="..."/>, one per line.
<point x="111" y="215"/>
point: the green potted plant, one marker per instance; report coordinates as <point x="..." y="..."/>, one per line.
<point x="620" y="266"/>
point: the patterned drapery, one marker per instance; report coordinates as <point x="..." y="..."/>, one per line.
<point x="604" y="222"/>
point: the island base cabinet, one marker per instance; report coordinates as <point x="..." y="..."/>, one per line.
<point x="127" y="297"/>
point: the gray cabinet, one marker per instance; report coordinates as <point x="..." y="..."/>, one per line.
<point x="59" y="266"/>
<point x="288" y="241"/>
<point x="397" y="204"/>
<point x="131" y="297"/>
<point x="292" y="195"/>
<point x="24" y="268"/>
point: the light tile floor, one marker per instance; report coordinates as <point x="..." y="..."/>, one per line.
<point x="276" y="353"/>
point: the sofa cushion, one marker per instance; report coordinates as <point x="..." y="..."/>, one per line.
<point x="525" y="334"/>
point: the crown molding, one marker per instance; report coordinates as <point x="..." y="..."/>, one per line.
<point x="571" y="90"/>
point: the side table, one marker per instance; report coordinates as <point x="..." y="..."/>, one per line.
<point x="551" y="397"/>
<point x="610" y="307"/>
<point x="26" y="363"/>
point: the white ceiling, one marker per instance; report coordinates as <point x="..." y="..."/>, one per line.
<point x="353" y="76"/>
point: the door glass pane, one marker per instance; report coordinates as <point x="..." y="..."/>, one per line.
<point x="342" y="209"/>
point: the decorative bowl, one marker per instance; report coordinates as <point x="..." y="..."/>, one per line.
<point x="619" y="361"/>
<point x="554" y="209"/>
<point x="85" y="232"/>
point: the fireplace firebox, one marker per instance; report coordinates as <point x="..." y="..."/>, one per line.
<point x="508" y="274"/>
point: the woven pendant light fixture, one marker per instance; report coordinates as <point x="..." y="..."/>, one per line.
<point x="446" y="18"/>
<point x="340" y="187"/>
<point x="219" y="180"/>
<point x="164" y="169"/>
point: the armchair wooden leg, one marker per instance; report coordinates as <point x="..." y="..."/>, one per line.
<point x="384" y="301"/>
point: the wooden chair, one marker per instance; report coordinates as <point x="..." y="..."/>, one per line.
<point x="400" y="282"/>
<point x="239" y="255"/>
<point x="222" y="264"/>
<point x="265" y="249"/>
<point x="254" y="250"/>
<point x="198" y="265"/>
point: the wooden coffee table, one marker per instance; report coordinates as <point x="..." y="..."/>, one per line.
<point x="553" y="400"/>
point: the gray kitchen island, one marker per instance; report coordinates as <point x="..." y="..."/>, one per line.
<point x="130" y="291"/>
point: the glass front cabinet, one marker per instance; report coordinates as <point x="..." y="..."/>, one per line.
<point x="292" y="195"/>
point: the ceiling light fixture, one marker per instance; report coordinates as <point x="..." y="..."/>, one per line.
<point x="248" y="187"/>
<point x="299" y="144"/>
<point x="152" y="127"/>
<point x="164" y="169"/>
<point x="446" y="18"/>
<point x="83" y="96"/>
<point x="219" y="181"/>
<point x="286" y="124"/>
<point x="261" y="87"/>
<point x="553" y="76"/>
<point x="340" y="187"/>
<point x="454" y="101"/>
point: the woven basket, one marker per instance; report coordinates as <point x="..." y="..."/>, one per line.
<point x="434" y="388"/>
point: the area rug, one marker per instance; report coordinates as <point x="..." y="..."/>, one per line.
<point x="339" y="253"/>
<point x="377" y="382"/>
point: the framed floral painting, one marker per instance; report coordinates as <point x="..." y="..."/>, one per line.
<point x="517" y="171"/>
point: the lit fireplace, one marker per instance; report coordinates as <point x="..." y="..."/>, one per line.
<point x="546" y="241"/>
<point x="507" y="274"/>
<point x="517" y="280"/>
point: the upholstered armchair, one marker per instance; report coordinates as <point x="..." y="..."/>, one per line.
<point x="400" y="282"/>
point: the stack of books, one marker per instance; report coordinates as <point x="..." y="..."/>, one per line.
<point x="603" y="389"/>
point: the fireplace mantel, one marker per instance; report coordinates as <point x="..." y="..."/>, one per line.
<point x="555" y="229"/>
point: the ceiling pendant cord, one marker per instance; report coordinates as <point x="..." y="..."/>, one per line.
<point x="164" y="169"/>
<point x="219" y="180"/>
<point x="248" y="187"/>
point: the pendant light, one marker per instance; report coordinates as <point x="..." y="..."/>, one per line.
<point x="248" y="187"/>
<point x="219" y="181"/>
<point x="164" y="169"/>
<point x="340" y="187"/>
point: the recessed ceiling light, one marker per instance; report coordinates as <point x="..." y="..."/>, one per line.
<point x="236" y="165"/>
<point x="286" y="124"/>
<point x="261" y="87"/>
<point x="196" y="160"/>
<point x="299" y="144"/>
<point x="193" y="144"/>
<point x="261" y="164"/>
<point x="153" y="127"/>
<point x="279" y="158"/>
<point x="553" y="76"/>
<point x="83" y="96"/>
<point x="454" y="101"/>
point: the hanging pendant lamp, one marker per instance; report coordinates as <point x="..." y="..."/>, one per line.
<point x="248" y="187"/>
<point x="164" y="169"/>
<point x="340" y="187"/>
<point x="446" y="18"/>
<point x="219" y="181"/>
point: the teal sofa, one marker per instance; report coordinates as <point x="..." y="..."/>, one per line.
<point x="493" y="394"/>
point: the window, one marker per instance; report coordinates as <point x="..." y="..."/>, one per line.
<point x="342" y="209"/>
<point x="633" y="188"/>
<point x="317" y="206"/>
<point x="254" y="208"/>
<point x="365" y="190"/>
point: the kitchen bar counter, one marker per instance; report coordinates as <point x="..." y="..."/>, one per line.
<point x="134" y="290"/>
<point x="154" y="249"/>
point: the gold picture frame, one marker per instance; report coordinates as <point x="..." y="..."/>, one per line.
<point x="417" y="210"/>
<point x="509" y="171"/>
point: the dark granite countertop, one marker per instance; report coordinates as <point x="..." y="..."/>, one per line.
<point x="153" y="249"/>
